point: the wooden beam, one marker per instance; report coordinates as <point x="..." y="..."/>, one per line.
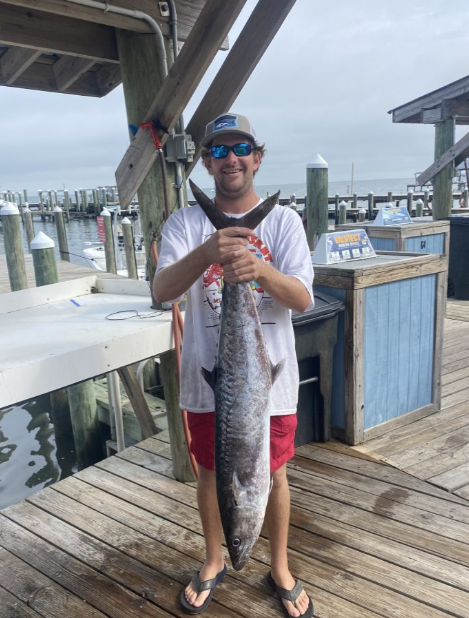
<point x="15" y="61"/>
<point x="138" y="401"/>
<point x="68" y="69"/>
<point x="108" y="78"/>
<point x="456" y="153"/>
<point x="41" y="77"/>
<point x="410" y="112"/>
<point x="53" y="33"/>
<point x="210" y="30"/>
<point x="455" y="108"/>
<point x="187" y="10"/>
<point x="254" y="39"/>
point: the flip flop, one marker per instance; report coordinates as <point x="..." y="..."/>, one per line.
<point x="199" y="587"/>
<point x="291" y="595"/>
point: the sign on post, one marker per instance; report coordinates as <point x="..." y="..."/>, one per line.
<point x="344" y="246"/>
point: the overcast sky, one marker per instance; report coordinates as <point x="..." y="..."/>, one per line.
<point x="324" y="86"/>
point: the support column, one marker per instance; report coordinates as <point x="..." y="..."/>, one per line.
<point x="142" y="79"/>
<point x="317" y="210"/>
<point x="443" y="181"/>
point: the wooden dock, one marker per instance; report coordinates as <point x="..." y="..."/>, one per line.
<point x="65" y="270"/>
<point x="436" y="448"/>
<point x="121" y="538"/>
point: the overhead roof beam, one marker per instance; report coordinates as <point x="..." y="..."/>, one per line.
<point x="254" y="39"/>
<point x="457" y="153"/>
<point x="54" y="33"/>
<point x="209" y="31"/>
<point x="68" y="69"/>
<point x="15" y="61"/>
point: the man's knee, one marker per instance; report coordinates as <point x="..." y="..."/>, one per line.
<point x="279" y="477"/>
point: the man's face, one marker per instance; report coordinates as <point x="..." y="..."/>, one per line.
<point x="233" y="175"/>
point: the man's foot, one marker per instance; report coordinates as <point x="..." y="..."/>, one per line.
<point x="286" y="587"/>
<point x="198" y="594"/>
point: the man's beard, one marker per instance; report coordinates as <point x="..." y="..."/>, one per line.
<point x="233" y="194"/>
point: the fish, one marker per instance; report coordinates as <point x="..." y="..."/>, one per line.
<point x="241" y="379"/>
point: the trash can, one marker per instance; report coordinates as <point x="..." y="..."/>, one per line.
<point x="458" y="279"/>
<point x="315" y="338"/>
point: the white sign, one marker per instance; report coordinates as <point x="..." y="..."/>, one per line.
<point x="343" y="247"/>
<point x="393" y="216"/>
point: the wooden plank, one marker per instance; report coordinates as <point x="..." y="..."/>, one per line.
<point x="211" y="28"/>
<point x="11" y="607"/>
<point x="251" y="44"/>
<point x="41" y="593"/>
<point x="453" y="456"/>
<point x="440" y="309"/>
<point x="354" y="366"/>
<point x="457" y="153"/>
<point x="463" y="492"/>
<point x="68" y="69"/>
<point x="54" y="33"/>
<point x="453" y="479"/>
<point x="459" y="378"/>
<point x="96" y="590"/>
<point x="138" y="401"/>
<point x="399" y="421"/>
<point x="15" y="61"/>
<point x="143" y="532"/>
<point x="108" y="77"/>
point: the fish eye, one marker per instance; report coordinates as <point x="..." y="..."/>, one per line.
<point x="235" y="542"/>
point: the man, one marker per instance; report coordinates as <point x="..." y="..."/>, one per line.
<point x="275" y="258"/>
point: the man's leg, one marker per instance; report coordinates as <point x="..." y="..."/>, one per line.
<point x="277" y="518"/>
<point x="211" y="524"/>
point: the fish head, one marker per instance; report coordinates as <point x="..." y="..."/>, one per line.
<point x="242" y="533"/>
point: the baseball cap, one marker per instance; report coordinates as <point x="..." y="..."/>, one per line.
<point x="229" y="123"/>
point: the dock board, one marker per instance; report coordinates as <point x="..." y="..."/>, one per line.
<point x="121" y="538"/>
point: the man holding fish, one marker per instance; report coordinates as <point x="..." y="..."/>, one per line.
<point x="239" y="373"/>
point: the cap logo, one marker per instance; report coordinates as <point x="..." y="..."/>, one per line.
<point x="224" y="122"/>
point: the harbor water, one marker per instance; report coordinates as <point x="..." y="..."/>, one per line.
<point x="30" y="459"/>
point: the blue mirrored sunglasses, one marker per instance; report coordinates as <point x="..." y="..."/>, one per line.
<point x="221" y="151"/>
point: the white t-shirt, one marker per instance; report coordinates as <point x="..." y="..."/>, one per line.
<point x="280" y="240"/>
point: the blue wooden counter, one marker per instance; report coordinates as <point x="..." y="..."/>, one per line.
<point x="387" y="361"/>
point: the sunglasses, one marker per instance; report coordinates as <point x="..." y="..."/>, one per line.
<point x="221" y="151"/>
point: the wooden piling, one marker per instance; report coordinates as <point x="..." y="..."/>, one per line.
<point x="389" y="197"/>
<point x="336" y="208"/>
<point x="129" y="246"/>
<point x="317" y="173"/>
<point x="84" y="194"/>
<point x="426" y="193"/>
<point x="13" y="240"/>
<point x="354" y="200"/>
<point x="343" y="212"/>
<point x="45" y="265"/>
<point x="61" y="234"/>
<point x="410" y="202"/>
<point x="97" y="207"/>
<point x="443" y="180"/>
<point x="179" y="451"/>
<point x="109" y="242"/>
<point x="371" y="205"/>
<point x="85" y="424"/>
<point x="77" y="200"/>
<point x="67" y="205"/>
<point x="419" y="208"/>
<point x="41" y="204"/>
<point x="25" y="193"/>
<point x="361" y="215"/>
<point x="28" y="225"/>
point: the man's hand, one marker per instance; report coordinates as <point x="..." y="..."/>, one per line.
<point x="227" y="245"/>
<point x="247" y="268"/>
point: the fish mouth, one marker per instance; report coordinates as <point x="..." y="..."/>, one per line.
<point x="240" y="558"/>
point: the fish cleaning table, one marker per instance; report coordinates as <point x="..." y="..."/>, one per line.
<point x="57" y="335"/>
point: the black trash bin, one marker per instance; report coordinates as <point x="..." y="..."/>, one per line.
<point x="458" y="278"/>
<point x="315" y="338"/>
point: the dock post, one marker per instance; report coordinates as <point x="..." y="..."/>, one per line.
<point x="25" y="193"/>
<point x="336" y="208"/>
<point x="41" y="204"/>
<point x="443" y="180"/>
<point x="77" y="199"/>
<point x="20" y="204"/>
<point x="129" y="246"/>
<point x="28" y="224"/>
<point x="371" y="205"/>
<point x="179" y="450"/>
<point x="389" y="197"/>
<point x="342" y="212"/>
<point x="464" y="196"/>
<point x="361" y="215"/>
<point x="67" y="205"/>
<point x="354" y="200"/>
<point x="61" y="234"/>
<point x="84" y="194"/>
<point x="97" y="207"/>
<point x="316" y="207"/>
<point x="410" y="202"/>
<point x="109" y="242"/>
<point x="426" y="194"/>
<point x="13" y="240"/>
<point x="104" y="197"/>
<point x="419" y="208"/>
<point x="85" y="424"/>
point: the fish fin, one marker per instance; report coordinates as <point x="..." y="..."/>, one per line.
<point x="210" y="376"/>
<point x="220" y="221"/>
<point x="277" y="369"/>
<point x="239" y="491"/>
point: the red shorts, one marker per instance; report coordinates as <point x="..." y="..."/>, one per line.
<point x="202" y="429"/>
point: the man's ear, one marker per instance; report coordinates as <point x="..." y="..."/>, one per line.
<point x="206" y="164"/>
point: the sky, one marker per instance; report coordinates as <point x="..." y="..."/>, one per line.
<point x="324" y="86"/>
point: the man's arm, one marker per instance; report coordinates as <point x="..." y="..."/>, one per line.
<point x="285" y="289"/>
<point x="223" y="247"/>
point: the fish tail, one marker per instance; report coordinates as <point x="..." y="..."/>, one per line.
<point x="220" y="221"/>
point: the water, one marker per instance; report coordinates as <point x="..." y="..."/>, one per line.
<point x="29" y="459"/>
